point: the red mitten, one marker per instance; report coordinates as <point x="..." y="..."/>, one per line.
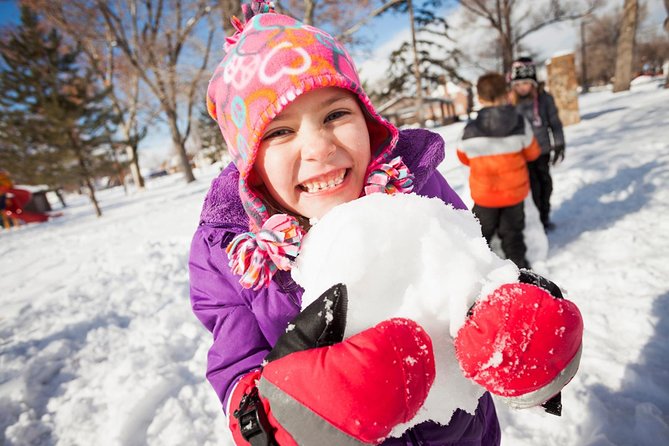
<point x="317" y="389"/>
<point x="522" y="342"/>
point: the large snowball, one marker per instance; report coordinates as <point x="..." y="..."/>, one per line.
<point x="406" y="256"/>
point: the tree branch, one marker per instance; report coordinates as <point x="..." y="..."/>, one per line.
<point x="378" y="11"/>
<point x="554" y="19"/>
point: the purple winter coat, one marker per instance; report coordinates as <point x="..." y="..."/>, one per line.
<point x="246" y="324"/>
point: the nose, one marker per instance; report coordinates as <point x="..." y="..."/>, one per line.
<point x="318" y="145"/>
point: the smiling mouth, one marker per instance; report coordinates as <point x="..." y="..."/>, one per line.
<point x="324" y="182"/>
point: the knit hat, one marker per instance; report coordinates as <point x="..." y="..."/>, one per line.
<point x="523" y="69"/>
<point x="270" y="61"/>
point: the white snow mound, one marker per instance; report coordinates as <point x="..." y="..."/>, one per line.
<point x="406" y="256"/>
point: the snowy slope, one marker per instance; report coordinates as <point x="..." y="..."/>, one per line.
<point x="99" y="346"/>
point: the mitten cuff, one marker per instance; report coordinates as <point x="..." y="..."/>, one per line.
<point x="548" y="391"/>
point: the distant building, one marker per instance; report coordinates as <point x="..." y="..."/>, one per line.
<point x="401" y="111"/>
<point x="461" y="95"/>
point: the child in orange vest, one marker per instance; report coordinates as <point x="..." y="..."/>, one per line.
<point x="497" y="146"/>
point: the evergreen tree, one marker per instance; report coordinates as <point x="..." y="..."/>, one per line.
<point x="211" y="139"/>
<point x="56" y="117"/>
<point x="431" y="39"/>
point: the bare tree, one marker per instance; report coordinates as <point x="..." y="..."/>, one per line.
<point x="625" y="50"/>
<point x="162" y="43"/>
<point x="347" y="33"/>
<point x="601" y="35"/>
<point x="584" y="66"/>
<point x="335" y="15"/>
<point x="343" y="18"/>
<point x="513" y="21"/>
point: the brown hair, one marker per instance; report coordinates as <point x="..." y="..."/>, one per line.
<point x="491" y="86"/>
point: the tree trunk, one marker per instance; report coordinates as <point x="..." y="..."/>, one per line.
<point x="180" y="148"/>
<point x="625" y="53"/>
<point x="507" y="38"/>
<point x="507" y="54"/>
<point x="119" y="171"/>
<point x="584" y="66"/>
<point x="416" y="69"/>
<point x="309" y="12"/>
<point x="137" y="178"/>
<point x="60" y="197"/>
<point x="84" y="172"/>
<point x="91" y="195"/>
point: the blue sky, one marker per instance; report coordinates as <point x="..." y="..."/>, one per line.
<point x="9" y="12"/>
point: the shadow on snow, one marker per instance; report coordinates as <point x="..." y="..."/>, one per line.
<point x="641" y="415"/>
<point x="585" y="210"/>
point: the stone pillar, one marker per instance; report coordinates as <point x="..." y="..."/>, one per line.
<point x="562" y="84"/>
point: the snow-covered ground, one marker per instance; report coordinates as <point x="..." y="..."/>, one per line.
<point x="99" y="345"/>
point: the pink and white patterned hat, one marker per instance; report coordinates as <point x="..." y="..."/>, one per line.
<point x="270" y="61"/>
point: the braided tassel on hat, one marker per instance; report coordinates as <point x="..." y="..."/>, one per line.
<point x="257" y="257"/>
<point x="391" y="178"/>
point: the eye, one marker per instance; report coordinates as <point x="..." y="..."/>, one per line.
<point x="275" y="133"/>
<point x="335" y="115"/>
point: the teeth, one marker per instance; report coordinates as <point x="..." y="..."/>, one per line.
<point x="322" y="184"/>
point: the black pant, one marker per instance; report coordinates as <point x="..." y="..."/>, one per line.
<point x="508" y="223"/>
<point x="542" y="186"/>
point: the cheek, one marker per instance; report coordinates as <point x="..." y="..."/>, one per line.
<point x="357" y="140"/>
<point x="270" y="169"/>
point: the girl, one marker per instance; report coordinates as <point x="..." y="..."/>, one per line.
<point x="539" y="108"/>
<point x="304" y="138"/>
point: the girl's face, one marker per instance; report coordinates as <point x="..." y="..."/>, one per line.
<point x="523" y="88"/>
<point x="314" y="154"/>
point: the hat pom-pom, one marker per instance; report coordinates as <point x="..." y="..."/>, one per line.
<point x="249" y="10"/>
<point x="257" y="256"/>
<point x="390" y="177"/>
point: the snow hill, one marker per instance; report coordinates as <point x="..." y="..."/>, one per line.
<point x="98" y="344"/>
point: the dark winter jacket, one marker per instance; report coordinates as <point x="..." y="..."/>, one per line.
<point x="246" y="324"/>
<point x="544" y="119"/>
<point x="497" y="146"/>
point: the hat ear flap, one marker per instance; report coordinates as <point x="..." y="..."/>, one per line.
<point x="254" y="179"/>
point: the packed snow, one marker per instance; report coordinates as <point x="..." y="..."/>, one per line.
<point x="99" y="345"/>
<point x="413" y="257"/>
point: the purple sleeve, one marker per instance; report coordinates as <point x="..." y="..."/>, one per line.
<point x="222" y="305"/>
<point x="437" y="186"/>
